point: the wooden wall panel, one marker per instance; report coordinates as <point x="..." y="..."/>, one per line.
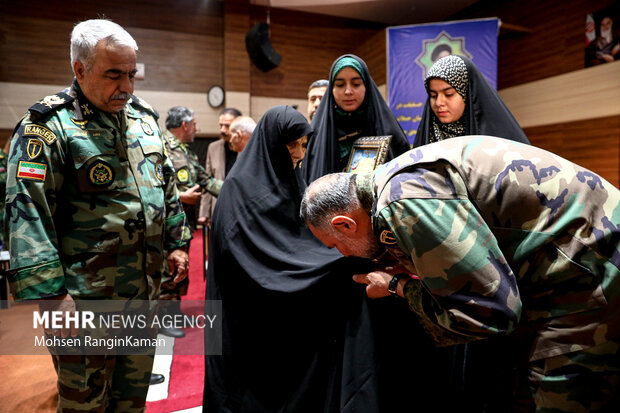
<point x="308" y="43"/>
<point x="593" y="144"/>
<point x="373" y="52"/>
<point x="237" y="61"/>
<point x="186" y="16"/>
<point x="181" y="48"/>
<point x="555" y="45"/>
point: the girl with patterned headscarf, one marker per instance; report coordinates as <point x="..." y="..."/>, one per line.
<point x="483" y="113"/>
<point x="462" y="102"/>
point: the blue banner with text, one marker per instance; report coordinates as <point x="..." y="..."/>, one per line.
<point x="412" y="50"/>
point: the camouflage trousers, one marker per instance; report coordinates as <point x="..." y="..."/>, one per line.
<point x="102" y="383"/>
<point x="581" y="381"/>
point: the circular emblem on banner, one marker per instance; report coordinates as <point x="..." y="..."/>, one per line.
<point x="159" y="171"/>
<point x="146" y="127"/>
<point x="101" y="174"/>
<point x="183" y="175"/>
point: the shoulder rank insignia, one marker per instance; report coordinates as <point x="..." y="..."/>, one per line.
<point x="182" y="175"/>
<point x="41" y="131"/>
<point x="101" y="174"/>
<point x="50" y="103"/>
<point x="31" y="170"/>
<point x="387" y="237"/>
<point x="34" y="148"/>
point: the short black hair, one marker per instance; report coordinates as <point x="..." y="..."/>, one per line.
<point x="231" y="111"/>
<point x="319" y="83"/>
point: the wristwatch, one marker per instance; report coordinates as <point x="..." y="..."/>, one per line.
<point x="393" y="285"/>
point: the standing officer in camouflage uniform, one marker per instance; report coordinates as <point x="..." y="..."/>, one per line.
<point x="505" y="238"/>
<point x="3" y="162"/>
<point x="91" y="207"/>
<point x="190" y="177"/>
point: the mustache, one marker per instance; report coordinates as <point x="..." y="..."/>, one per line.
<point x="121" y="96"/>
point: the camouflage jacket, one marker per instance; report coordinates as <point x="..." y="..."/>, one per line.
<point x="91" y="201"/>
<point x="189" y="172"/>
<point x="504" y="237"/>
<point x="3" y="162"/>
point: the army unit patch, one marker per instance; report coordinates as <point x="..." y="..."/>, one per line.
<point x="31" y="170"/>
<point x="146" y="127"/>
<point x="41" y="131"/>
<point x="101" y="174"/>
<point x="182" y="175"/>
<point x="159" y="171"/>
<point x="34" y="148"/>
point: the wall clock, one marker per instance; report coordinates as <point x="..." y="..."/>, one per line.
<point x="215" y="96"/>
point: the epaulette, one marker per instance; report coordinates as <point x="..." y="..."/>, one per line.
<point x="171" y="141"/>
<point x="140" y="103"/>
<point x="49" y="104"/>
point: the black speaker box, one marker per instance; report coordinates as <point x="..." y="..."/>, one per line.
<point x="259" y="48"/>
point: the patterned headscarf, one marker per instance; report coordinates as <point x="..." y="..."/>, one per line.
<point x="450" y="69"/>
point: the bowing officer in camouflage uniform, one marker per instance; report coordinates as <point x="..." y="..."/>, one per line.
<point x="190" y="178"/>
<point x="505" y="239"/>
<point x="91" y="207"/>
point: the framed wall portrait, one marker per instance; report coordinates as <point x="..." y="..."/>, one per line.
<point x="367" y="153"/>
<point x="603" y="36"/>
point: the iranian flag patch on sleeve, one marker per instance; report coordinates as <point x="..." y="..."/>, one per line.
<point x="32" y="170"/>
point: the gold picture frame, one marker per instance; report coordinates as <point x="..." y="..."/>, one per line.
<point x="367" y="153"/>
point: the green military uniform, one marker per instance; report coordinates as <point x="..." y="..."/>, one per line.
<point x="188" y="172"/>
<point x="3" y="162"/>
<point x="508" y="238"/>
<point x="91" y="207"/>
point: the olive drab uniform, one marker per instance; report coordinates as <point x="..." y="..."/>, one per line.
<point x="91" y="206"/>
<point x="508" y="238"/>
<point x="188" y="172"/>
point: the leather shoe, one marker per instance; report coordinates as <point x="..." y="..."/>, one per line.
<point x="157" y="378"/>
<point x="172" y="332"/>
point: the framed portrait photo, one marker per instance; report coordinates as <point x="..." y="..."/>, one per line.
<point x="367" y="153"/>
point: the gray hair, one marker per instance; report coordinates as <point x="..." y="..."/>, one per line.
<point x="244" y="124"/>
<point x="87" y="34"/>
<point x="319" y="83"/>
<point x="177" y="115"/>
<point x="330" y="195"/>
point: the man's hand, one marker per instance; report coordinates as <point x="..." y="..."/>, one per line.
<point x="376" y="281"/>
<point x="178" y="260"/>
<point x="191" y="196"/>
<point x="64" y="304"/>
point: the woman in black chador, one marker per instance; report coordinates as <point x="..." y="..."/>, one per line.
<point x="351" y="108"/>
<point x="406" y="358"/>
<point x="296" y="332"/>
